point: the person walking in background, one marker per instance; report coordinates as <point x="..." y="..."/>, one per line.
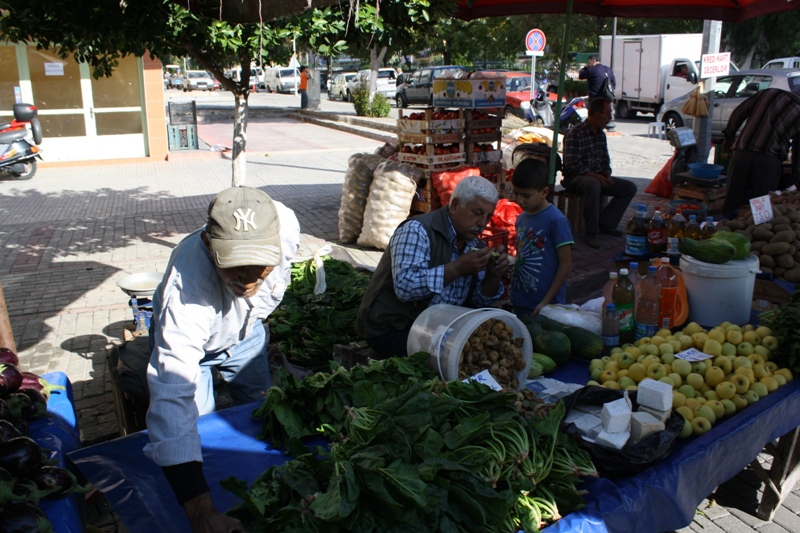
<point x="595" y="74"/>
<point x="303" y="87"/>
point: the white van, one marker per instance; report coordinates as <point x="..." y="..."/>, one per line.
<point x="281" y="79"/>
<point x="783" y="62"/>
<point x="256" y="75"/>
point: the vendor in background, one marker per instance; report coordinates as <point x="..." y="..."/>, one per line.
<point x="756" y="166"/>
<point x="221" y="283"/>
<point x="435" y="258"/>
<point x="303" y="87"/>
<point x="587" y="171"/>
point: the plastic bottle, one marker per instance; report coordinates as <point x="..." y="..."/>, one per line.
<point x="677" y="226"/>
<point x="636" y="279"/>
<point x="669" y="294"/>
<point x="608" y="288"/>
<point x="708" y="229"/>
<point x="657" y="234"/>
<point x="636" y="238"/>
<point x="623" y="298"/>
<point x="692" y="228"/>
<point x="648" y="311"/>
<point x="610" y="329"/>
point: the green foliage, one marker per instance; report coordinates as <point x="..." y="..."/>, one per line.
<point x="380" y="106"/>
<point x="576" y="86"/>
<point x="783" y="323"/>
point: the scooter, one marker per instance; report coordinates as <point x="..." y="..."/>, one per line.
<point x="17" y="151"/>
<point x="573" y="113"/>
<point x="540" y="112"/>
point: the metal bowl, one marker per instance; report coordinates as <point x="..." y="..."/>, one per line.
<point x="705" y="170"/>
<point x="142" y="284"/>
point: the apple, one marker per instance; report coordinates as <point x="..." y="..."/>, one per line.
<point x="616" y="349"/>
<point x="746" y="372"/>
<point x="730" y="407"/>
<point x="687" y="430"/>
<point x="632" y="387"/>
<point x="748" y="327"/>
<point x="596" y="363"/>
<point x="650" y="360"/>
<point x="692" y="328"/>
<point x="725" y="363"/>
<point x="682" y="367"/>
<point x="756" y="359"/>
<point x="686" y="342"/>
<point x="693" y="403"/>
<point x="612" y="365"/>
<point x="725" y="390"/>
<point x="780" y="379"/>
<point x="717" y="334"/>
<point x="685" y="412"/>
<point x="634" y="350"/>
<point x="637" y="372"/>
<point x="714" y="376"/>
<point x="621" y="373"/>
<point x="664" y="333"/>
<point x="592" y="382"/>
<point x="760" y="370"/>
<point x="704" y="388"/>
<point x="657" y="341"/>
<point x="710" y="395"/>
<point x="752" y="337"/>
<point x="764" y="331"/>
<point x="772" y="366"/>
<point x="699" y="340"/>
<point x="678" y="399"/>
<point x="676" y="378"/>
<point x="668" y="381"/>
<point x="605" y="359"/>
<point x="734" y="337"/>
<point x="717" y="407"/>
<point x="626" y="381"/>
<point x="741" y="383"/>
<point x="763" y="351"/>
<point x="744" y="349"/>
<point x="728" y="349"/>
<point x="740" y="402"/>
<point x="676" y="345"/>
<point x="615" y="356"/>
<point x="611" y="385"/>
<point x="643" y="341"/>
<point x="770" y="342"/>
<point x="667" y="353"/>
<point x="625" y="359"/>
<point x="700" y="367"/>
<point x="607" y="375"/>
<point x="687" y="390"/>
<point x="759" y="388"/>
<point x="700" y="425"/>
<point x="656" y="371"/>
<point x="695" y="380"/>
<point x="595" y="374"/>
<point x="650" y="349"/>
<point x="751" y="396"/>
<point x="769" y="382"/>
<point x="712" y="347"/>
<point x="742" y="361"/>
<point x="706" y="412"/>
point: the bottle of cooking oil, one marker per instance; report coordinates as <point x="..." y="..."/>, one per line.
<point x="692" y="228"/>
<point x="636" y="239"/>
<point x="675" y="230"/>
<point x="708" y="229"/>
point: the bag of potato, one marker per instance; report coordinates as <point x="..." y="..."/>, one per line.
<point x="389" y="202"/>
<point x="355" y="190"/>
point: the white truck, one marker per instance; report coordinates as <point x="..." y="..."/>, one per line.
<point x="651" y="69"/>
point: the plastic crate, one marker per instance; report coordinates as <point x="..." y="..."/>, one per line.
<point x="182" y="113"/>
<point x="182" y="137"/>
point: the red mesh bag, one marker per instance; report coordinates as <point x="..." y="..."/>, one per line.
<point x="661" y="186"/>
<point x="445" y="181"/>
<point x="505" y="217"/>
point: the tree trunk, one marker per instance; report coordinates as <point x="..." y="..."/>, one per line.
<point x="6" y="335"/>
<point x="238" y="155"/>
<point x="375" y="60"/>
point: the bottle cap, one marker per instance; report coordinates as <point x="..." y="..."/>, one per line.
<point x="652" y="268"/>
<point x="612" y="275"/>
<point x="709" y="219"/>
<point x="623" y="271"/>
<point x="609" y="307"/>
<point x="692" y="217"/>
<point x="633" y="265"/>
<point x="665" y="260"/>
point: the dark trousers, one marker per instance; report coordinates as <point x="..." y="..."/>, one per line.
<point x="303" y="98"/>
<point x="391" y="344"/>
<point x="621" y="193"/>
<point x="750" y="175"/>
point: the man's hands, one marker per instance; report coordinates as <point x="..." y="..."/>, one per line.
<point x="472" y="262"/>
<point x="727" y="145"/>
<point x="204" y="517"/>
<point x="604" y="179"/>
<point x="498" y="265"/>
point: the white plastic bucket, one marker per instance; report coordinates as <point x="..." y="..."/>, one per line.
<point x="442" y="330"/>
<point x="719" y="293"/>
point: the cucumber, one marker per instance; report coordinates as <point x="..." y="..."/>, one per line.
<point x="714" y="251"/>
<point x="536" y="370"/>
<point x="739" y="241"/>
<point x="546" y="363"/>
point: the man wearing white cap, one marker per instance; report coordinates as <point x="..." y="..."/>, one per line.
<point x="221" y="283"/>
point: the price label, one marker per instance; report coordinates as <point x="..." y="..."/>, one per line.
<point x="692" y="355"/>
<point x="486" y="378"/>
<point x="762" y="209"/>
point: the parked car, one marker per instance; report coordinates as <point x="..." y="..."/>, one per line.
<point x="419" y="89"/>
<point x="729" y="92"/>
<point x="387" y="82"/>
<point x="338" y="88"/>
<point x="197" y="80"/>
<point x="783" y="62"/>
<point x="256" y="76"/>
<point x="281" y="79"/>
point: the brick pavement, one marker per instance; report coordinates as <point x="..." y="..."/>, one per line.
<point x="71" y="233"/>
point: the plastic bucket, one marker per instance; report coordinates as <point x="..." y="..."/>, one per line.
<point x="719" y="292"/>
<point x="442" y="330"/>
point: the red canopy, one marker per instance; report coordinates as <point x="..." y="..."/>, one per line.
<point x="727" y="10"/>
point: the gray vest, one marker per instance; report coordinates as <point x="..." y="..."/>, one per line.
<point x="381" y="310"/>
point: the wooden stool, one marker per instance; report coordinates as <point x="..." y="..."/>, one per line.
<point x="571" y="204"/>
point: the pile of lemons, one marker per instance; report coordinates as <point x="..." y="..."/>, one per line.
<point x="737" y="373"/>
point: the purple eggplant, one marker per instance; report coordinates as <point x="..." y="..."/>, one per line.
<point x="56" y="481"/>
<point x="8" y="357"/>
<point x="20" y="455"/>
<point x="24" y="518"/>
<point x="13" y="377"/>
<point x="8" y="431"/>
<point x="35" y="382"/>
<point x="38" y="407"/>
<point x="22" y="405"/>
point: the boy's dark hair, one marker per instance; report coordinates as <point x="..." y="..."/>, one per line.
<point x="531" y="174"/>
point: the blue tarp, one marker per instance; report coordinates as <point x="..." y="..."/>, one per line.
<point x="661" y="498"/>
<point x="59" y="434"/>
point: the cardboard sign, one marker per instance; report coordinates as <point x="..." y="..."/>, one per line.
<point x="486" y="378"/>
<point x="692" y="355"/>
<point x="53" y="69"/>
<point x="762" y="209"/>
<point x="715" y="65"/>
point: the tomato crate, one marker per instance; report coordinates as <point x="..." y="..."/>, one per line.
<point x="476" y="120"/>
<point x="490" y="137"/>
<point x="434" y="138"/>
<point x="426" y="198"/>
<point x="433" y="161"/>
<point x="482" y="157"/>
<point x="431" y="122"/>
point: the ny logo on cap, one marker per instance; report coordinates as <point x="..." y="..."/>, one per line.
<point x="245" y="219"/>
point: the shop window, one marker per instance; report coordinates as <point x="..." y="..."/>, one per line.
<point x="119" y="123"/>
<point x="71" y="125"/>
<point x="56" y="82"/>
<point x="9" y="79"/>
<point x="121" y="89"/>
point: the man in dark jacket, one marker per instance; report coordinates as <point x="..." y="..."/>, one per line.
<point x="435" y="258"/>
<point x="595" y="73"/>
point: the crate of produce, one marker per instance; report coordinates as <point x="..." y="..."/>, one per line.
<point x="483" y="154"/>
<point x="426" y="199"/>
<point x="431" y="122"/>
<point x="493" y="135"/>
<point x="470" y="93"/>
<point x="425" y="138"/>
<point x="480" y="122"/>
<point x="433" y="160"/>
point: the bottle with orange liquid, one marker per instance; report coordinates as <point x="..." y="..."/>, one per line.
<point x="669" y="294"/>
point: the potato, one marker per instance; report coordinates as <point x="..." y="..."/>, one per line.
<point x="776" y="248"/>
<point x="780" y="220"/>
<point x="748" y="221"/>
<point x="736" y="224"/>
<point x="782" y="227"/>
<point x="792" y="249"/>
<point x="795" y="217"/>
<point x="792" y="275"/>
<point x="797" y="257"/>
<point x="762" y="234"/>
<point x="757" y="245"/>
<point x="778" y="271"/>
<point x="785" y="261"/>
<point x="755" y="253"/>
<point x="766" y="270"/>
<point x="766" y="261"/>
<point x="786" y="236"/>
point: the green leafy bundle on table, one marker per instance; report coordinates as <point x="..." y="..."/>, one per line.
<point x="783" y="322"/>
<point x="307" y="325"/>
<point x="408" y="453"/>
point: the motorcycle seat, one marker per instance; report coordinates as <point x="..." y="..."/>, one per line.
<point x="5" y="126"/>
<point x="8" y="137"/>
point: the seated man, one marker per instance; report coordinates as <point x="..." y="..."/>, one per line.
<point x="221" y="282"/>
<point x="435" y="258"/>
<point x="682" y="71"/>
<point x="587" y="171"/>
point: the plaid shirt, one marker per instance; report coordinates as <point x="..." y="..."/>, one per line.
<point x="773" y="118"/>
<point x="413" y="280"/>
<point x="585" y="151"/>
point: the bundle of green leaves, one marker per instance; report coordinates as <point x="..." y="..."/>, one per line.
<point x="783" y="323"/>
<point x="408" y="452"/>
<point x="307" y="325"/>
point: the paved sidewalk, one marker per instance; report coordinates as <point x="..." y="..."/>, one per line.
<point x="71" y="233"/>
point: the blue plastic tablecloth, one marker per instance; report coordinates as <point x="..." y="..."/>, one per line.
<point x="661" y="498"/>
<point x="59" y="434"/>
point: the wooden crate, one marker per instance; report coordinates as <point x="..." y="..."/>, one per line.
<point x="713" y="197"/>
<point x="768" y="295"/>
<point x="429" y="125"/>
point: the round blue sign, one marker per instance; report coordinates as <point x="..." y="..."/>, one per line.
<point x="535" y="40"/>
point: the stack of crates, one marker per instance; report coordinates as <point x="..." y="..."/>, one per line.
<point x="182" y="127"/>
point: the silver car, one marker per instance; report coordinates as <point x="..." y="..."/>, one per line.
<point x="338" y="88"/>
<point x="729" y="92"/>
<point x="386" y="85"/>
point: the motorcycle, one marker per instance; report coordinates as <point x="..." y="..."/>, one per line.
<point x="574" y="113"/>
<point x="540" y="112"/>
<point x="18" y="152"/>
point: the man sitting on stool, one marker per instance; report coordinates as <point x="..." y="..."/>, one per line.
<point x="587" y="171"/>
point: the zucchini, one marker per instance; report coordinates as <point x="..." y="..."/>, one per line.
<point x="536" y="369"/>
<point x="584" y="344"/>
<point x="714" y="251"/>
<point x="739" y="241"/>
<point x="547" y="364"/>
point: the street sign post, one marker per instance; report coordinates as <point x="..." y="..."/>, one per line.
<point x="535" y="41"/>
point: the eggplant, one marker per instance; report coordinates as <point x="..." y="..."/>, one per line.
<point x="36" y="382"/>
<point x="23" y="407"/>
<point x="24" y="518"/>
<point x="38" y="407"/>
<point x="13" y="377"/>
<point x="20" y="455"/>
<point x="8" y="357"/>
<point x="8" y="431"/>
<point x="56" y="481"/>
